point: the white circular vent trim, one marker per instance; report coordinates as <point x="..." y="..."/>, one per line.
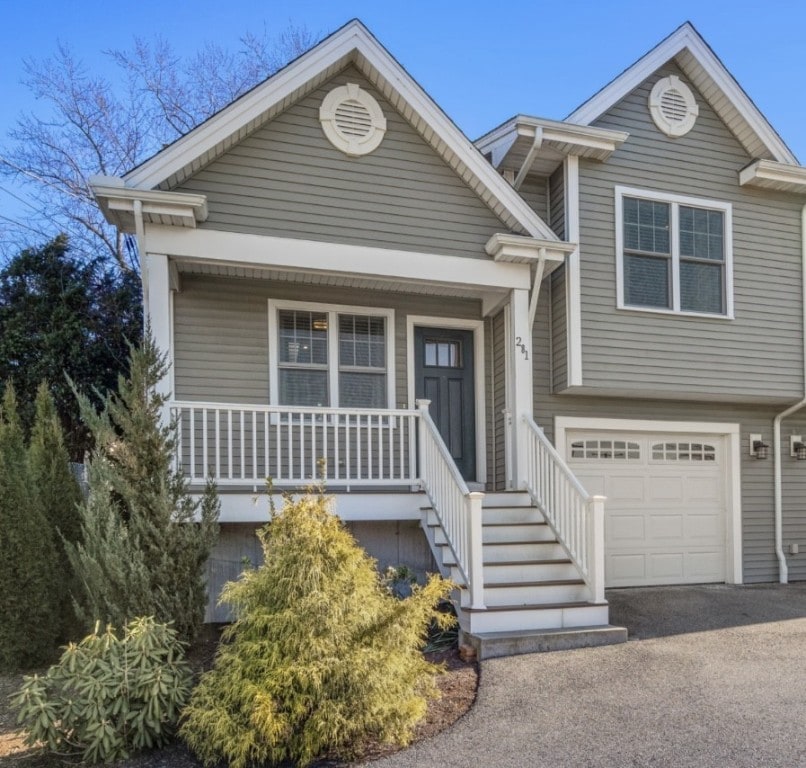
<point x="672" y="106"/>
<point x="352" y="120"/>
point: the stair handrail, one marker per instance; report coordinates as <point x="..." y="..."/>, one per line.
<point x="575" y="516"/>
<point x="457" y="508"/>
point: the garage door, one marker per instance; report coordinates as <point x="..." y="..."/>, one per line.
<point x="665" y="515"/>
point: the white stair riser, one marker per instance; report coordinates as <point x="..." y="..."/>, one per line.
<point x="507" y="499"/>
<point x="512" y="515"/>
<point x="502" y="534"/>
<point x="506" y="553"/>
<point x="541" y="618"/>
<point x="542" y="594"/>
<point x="503" y="572"/>
<point x="516" y="573"/>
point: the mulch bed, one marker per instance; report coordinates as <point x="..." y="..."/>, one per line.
<point x="457" y="685"/>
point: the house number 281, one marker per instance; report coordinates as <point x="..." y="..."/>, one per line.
<point x="522" y="347"/>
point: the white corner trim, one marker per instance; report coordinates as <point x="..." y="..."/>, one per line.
<point x="573" y="278"/>
<point x="685" y="37"/>
<point x="359" y="260"/>
<point x="352" y="142"/>
<point x="477" y="326"/>
<point x="676" y="201"/>
<point x="333" y="310"/>
<point x="730" y="431"/>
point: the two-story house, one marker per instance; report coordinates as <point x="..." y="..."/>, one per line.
<point x="556" y="360"/>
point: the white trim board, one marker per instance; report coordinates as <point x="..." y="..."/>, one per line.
<point x="675" y="202"/>
<point x="705" y="69"/>
<point x="359" y="260"/>
<point x="573" y="277"/>
<point x="352" y="43"/>
<point x="731" y="432"/>
<point x="477" y="326"/>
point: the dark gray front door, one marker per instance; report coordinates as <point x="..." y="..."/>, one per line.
<point x="443" y="374"/>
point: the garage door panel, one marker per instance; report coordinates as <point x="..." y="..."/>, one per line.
<point x="625" y="528"/>
<point x="665" y="512"/>
<point x="660" y="488"/>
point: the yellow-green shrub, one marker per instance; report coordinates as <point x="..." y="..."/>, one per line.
<point x="108" y="696"/>
<point x="321" y="656"/>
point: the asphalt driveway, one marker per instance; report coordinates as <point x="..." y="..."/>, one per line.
<point x="711" y="676"/>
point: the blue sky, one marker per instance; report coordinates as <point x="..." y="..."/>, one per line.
<point x="482" y="62"/>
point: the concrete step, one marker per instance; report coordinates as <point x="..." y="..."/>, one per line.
<point x="512" y="618"/>
<point x="490" y="645"/>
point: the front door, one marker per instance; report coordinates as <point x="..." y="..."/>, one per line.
<point x="443" y="374"/>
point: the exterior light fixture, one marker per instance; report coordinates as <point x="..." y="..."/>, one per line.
<point x="758" y="448"/>
<point x="797" y="448"/>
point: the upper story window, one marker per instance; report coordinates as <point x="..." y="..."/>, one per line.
<point x="673" y="253"/>
<point x="328" y="355"/>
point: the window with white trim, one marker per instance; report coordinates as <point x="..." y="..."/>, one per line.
<point x="327" y="355"/>
<point x="674" y="253"/>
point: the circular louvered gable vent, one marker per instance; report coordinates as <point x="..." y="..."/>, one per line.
<point x="672" y="106"/>
<point x="352" y="120"/>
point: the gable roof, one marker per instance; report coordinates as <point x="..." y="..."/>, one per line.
<point x="354" y="44"/>
<point x="703" y="67"/>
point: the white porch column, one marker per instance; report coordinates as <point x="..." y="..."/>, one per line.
<point x="520" y="378"/>
<point x="158" y="313"/>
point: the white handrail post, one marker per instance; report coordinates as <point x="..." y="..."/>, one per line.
<point x="422" y="407"/>
<point x="476" y="565"/>
<point x="596" y="547"/>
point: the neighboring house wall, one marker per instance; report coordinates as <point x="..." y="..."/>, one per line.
<point x="757" y="355"/>
<point x="288" y="180"/>
<point x="221" y="332"/>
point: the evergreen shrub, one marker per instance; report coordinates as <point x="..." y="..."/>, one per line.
<point x="321" y="657"/>
<point x="108" y="696"/>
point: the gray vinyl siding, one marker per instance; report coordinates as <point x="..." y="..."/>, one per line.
<point x="498" y="396"/>
<point x="558" y="321"/>
<point x="557" y="202"/>
<point x="758" y="555"/>
<point x="221" y="332"/>
<point x="535" y="191"/>
<point x="757" y="355"/>
<point x="287" y="180"/>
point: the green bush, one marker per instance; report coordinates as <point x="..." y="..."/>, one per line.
<point x="321" y="656"/>
<point x="108" y="696"/>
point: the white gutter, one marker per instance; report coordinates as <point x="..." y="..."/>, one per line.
<point x="783" y="570"/>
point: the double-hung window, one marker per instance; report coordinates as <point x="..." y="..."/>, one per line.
<point x="673" y="253"/>
<point x="329" y="355"/>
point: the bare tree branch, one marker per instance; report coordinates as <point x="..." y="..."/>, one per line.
<point x="92" y="125"/>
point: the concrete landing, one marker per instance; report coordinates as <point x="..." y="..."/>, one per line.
<point x="491" y="645"/>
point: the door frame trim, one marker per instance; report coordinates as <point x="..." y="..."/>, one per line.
<point x="477" y="326"/>
<point x="731" y="432"/>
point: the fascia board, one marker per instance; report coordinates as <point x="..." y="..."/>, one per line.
<point x="685" y="37"/>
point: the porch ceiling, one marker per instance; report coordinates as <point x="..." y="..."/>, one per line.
<point x="335" y="280"/>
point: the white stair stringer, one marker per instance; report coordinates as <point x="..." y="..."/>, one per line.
<point x="532" y="590"/>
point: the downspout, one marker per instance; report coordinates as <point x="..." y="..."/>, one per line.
<point x="783" y="570"/>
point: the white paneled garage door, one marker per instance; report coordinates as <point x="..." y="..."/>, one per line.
<point x="665" y="515"/>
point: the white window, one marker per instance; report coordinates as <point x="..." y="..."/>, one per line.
<point x="329" y="355"/>
<point x="673" y="253"/>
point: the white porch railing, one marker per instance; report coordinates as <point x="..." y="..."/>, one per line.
<point x="576" y="517"/>
<point x="456" y="507"/>
<point x="245" y="444"/>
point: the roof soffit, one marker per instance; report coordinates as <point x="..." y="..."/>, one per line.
<point x="709" y="75"/>
<point x="351" y="44"/>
